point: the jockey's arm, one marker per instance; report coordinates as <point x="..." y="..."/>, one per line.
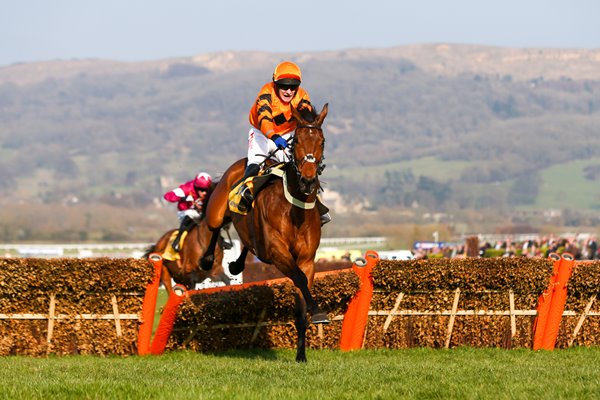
<point x="175" y="195"/>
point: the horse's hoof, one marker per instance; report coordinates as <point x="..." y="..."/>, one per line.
<point x="301" y="358"/>
<point x="320" y="318"/>
<point x="206" y="263"/>
<point x="235" y="268"/>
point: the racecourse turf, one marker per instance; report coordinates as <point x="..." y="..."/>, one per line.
<point x="461" y="373"/>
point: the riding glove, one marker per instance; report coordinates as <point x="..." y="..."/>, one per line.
<point x="280" y="142"/>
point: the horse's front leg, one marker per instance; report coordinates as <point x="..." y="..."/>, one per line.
<point x="301" y="323"/>
<point x="301" y="282"/>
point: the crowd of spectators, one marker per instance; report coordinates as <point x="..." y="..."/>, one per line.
<point x="581" y="247"/>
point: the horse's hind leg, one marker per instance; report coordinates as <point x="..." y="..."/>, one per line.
<point x="208" y="259"/>
<point x="237" y="266"/>
<point x="165" y="277"/>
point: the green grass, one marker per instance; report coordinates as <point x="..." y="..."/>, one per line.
<point x="263" y="374"/>
<point x="160" y="302"/>
<point x="566" y="184"/>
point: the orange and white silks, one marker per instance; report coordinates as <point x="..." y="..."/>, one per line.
<point x="272" y="116"/>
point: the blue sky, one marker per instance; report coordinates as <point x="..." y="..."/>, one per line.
<point x="132" y="30"/>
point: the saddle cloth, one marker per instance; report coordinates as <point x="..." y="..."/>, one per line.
<point x="169" y="253"/>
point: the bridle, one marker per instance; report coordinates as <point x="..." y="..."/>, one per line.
<point x="308" y="158"/>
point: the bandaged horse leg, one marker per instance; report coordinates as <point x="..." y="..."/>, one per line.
<point x="323" y="212"/>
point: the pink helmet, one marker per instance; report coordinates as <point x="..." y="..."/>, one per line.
<point x="202" y="181"/>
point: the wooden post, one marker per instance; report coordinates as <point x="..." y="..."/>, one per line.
<point x="261" y="318"/>
<point x="51" y="312"/>
<point x="320" y="333"/>
<point x="452" y="317"/>
<point x="588" y="307"/>
<point x="192" y="334"/>
<point x="389" y="318"/>
<point x="115" y="307"/>
<point x="513" y="320"/>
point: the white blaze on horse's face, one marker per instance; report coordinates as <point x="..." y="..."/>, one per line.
<point x="309" y="158"/>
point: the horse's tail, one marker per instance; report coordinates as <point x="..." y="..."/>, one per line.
<point x="149" y="250"/>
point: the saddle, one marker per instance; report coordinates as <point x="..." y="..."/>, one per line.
<point x="255" y="184"/>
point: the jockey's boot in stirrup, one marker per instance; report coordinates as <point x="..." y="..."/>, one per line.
<point x="323" y="212"/>
<point x="246" y="197"/>
<point x="186" y="224"/>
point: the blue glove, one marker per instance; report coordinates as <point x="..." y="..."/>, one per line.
<point x="280" y="142"/>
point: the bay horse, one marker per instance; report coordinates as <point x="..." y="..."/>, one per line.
<point x="278" y="232"/>
<point x="186" y="270"/>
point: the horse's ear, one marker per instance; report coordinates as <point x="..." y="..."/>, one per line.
<point x="323" y="114"/>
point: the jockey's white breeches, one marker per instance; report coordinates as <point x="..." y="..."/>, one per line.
<point x="259" y="146"/>
<point x="190" y="212"/>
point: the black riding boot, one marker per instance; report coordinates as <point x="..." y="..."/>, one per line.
<point x="186" y="224"/>
<point x="323" y="212"/>
<point x="246" y="197"/>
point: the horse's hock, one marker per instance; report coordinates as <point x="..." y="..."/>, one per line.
<point x="71" y="306"/>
